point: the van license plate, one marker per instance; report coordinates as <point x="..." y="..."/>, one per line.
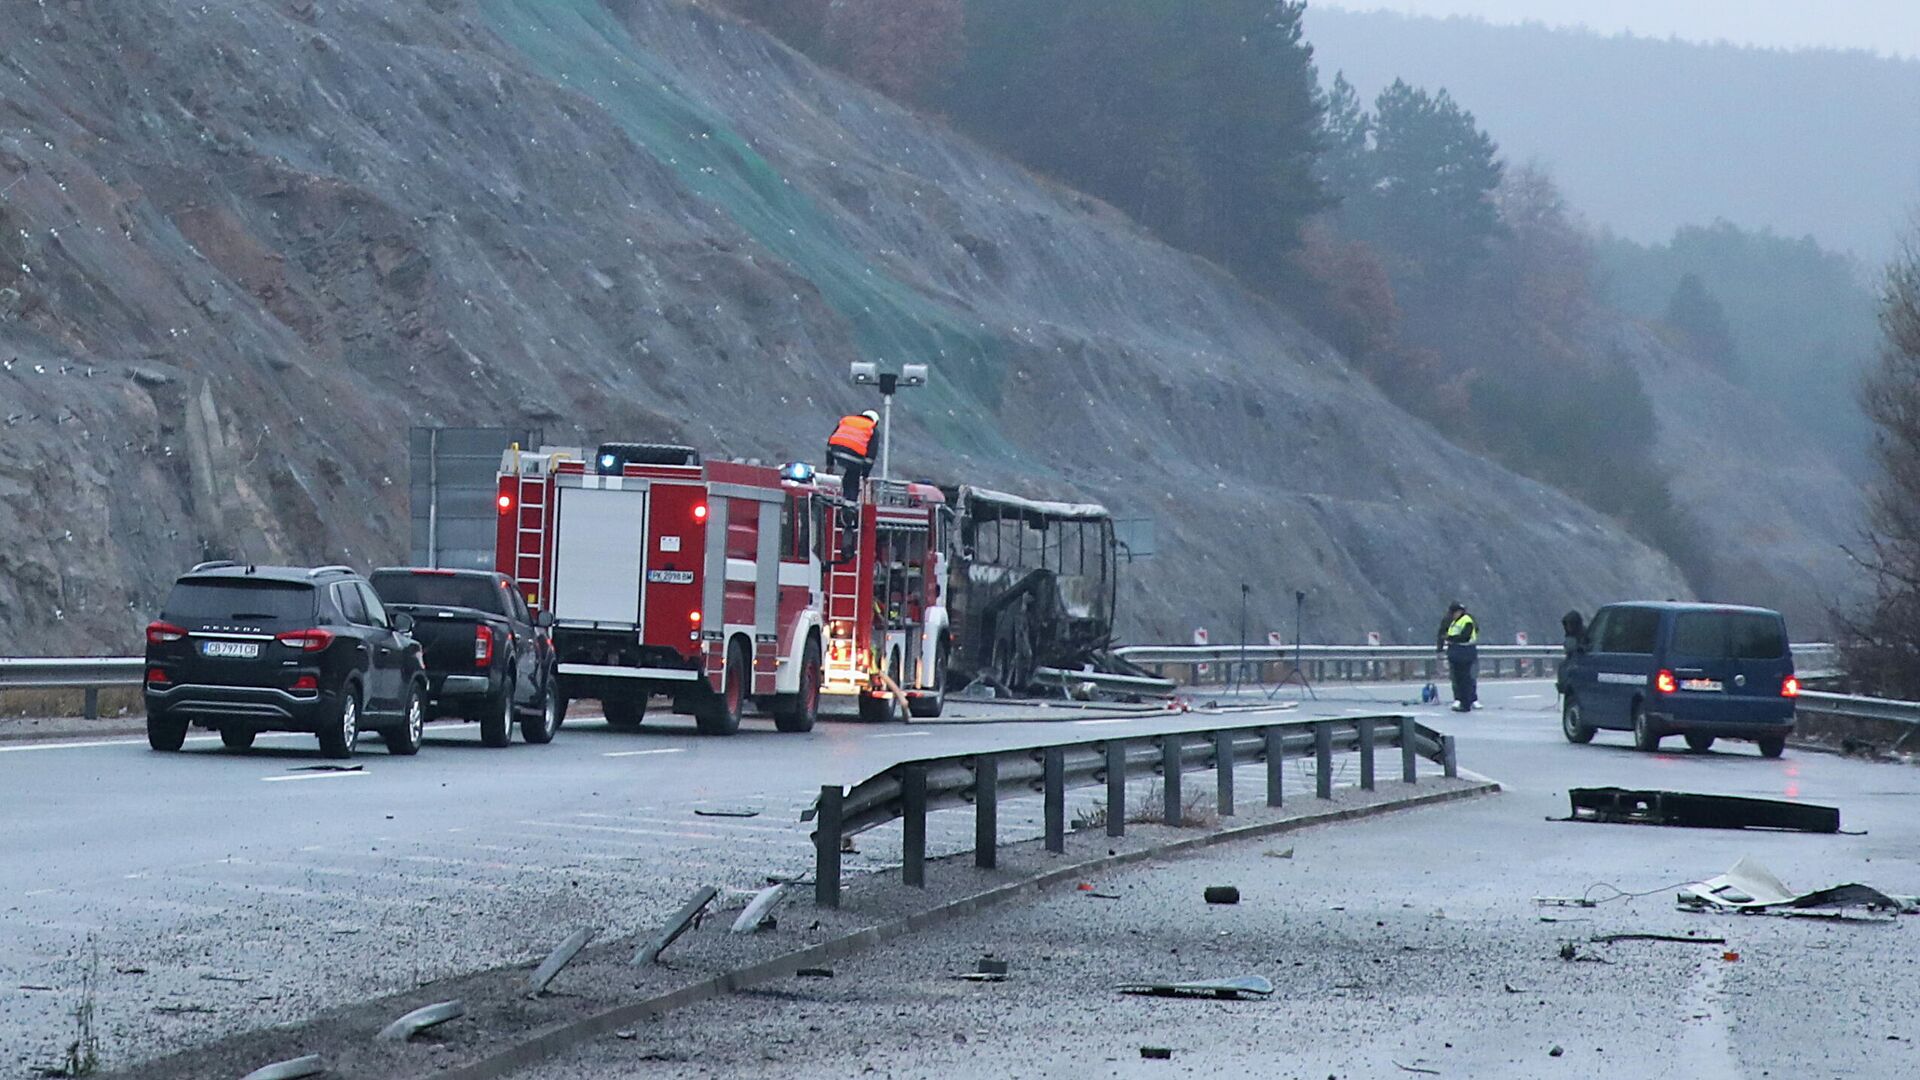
<point x="1712" y="686"/>
<point x="670" y="577"/>
<point x="236" y="650"/>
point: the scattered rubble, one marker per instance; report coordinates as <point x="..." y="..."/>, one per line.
<point x="1688" y="810"/>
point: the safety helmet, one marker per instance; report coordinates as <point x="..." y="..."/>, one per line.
<point x="871" y="415"/>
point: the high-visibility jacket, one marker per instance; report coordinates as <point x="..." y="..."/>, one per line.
<point x="1463" y="631"/>
<point x="854" y="435"/>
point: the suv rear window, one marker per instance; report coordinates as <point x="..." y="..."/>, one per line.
<point x="1629" y="630"/>
<point x="1729" y="635"/>
<point x="224" y="600"/>
<point x="440" y="590"/>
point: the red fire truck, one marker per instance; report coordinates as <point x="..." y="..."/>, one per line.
<point x="716" y="584"/>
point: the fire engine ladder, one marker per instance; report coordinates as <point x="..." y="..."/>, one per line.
<point x="843" y="579"/>
<point x="528" y="543"/>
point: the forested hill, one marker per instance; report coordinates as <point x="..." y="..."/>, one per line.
<point x="1648" y="135"/>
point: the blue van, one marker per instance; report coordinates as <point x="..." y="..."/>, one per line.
<point x="1705" y="671"/>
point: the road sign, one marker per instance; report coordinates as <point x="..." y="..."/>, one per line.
<point x="1373" y="638"/>
<point x="1520" y="638"/>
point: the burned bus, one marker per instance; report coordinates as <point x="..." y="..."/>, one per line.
<point x="1032" y="586"/>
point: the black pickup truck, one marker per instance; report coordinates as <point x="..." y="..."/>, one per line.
<point x="487" y="658"/>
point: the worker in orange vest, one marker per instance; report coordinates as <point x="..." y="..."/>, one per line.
<point x="851" y="449"/>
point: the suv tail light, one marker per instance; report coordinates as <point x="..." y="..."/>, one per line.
<point x="306" y="682"/>
<point x="1790" y="688"/>
<point x="157" y="676"/>
<point x="159" y="633"/>
<point x="482" y="646"/>
<point x="306" y="640"/>
<point x="1664" y="682"/>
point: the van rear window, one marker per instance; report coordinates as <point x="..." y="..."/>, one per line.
<point x="1629" y="630"/>
<point x="223" y="600"/>
<point x="1729" y="635"/>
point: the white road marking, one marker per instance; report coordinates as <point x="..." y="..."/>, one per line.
<point x="1097" y="723"/>
<point x="137" y="742"/>
<point x="905" y="735"/>
<point x="643" y="753"/>
<point x="1528" y="697"/>
<point x="313" y="776"/>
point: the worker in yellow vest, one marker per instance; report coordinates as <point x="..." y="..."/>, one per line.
<point x="1460" y="638"/>
<point x="851" y="450"/>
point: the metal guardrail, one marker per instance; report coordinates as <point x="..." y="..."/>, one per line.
<point x="74" y="673"/>
<point x="1327" y="663"/>
<point x="911" y="789"/>
<point x="1859" y="708"/>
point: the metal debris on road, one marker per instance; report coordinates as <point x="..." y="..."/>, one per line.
<point x="1571" y="951"/>
<point x="297" y="1068"/>
<point x="1278" y="853"/>
<point x="681" y="922"/>
<point x="328" y="768"/>
<point x="1232" y="989"/>
<point x="990" y="966"/>
<point x="1693" y="811"/>
<point x="1222" y="894"/>
<point x="1608" y="939"/>
<point x="726" y="813"/>
<point x="1416" y="1069"/>
<point x="1156" y="1053"/>
<point x="1749" y="887"/>
<point x="759" y="912"/>
<point x="559" y="958"/>
<point x="421" y="1019"/>
<point x="814" y="973"/>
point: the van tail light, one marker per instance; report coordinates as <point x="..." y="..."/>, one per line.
<point x="482" y="646"/>
<point x="157" y="677"/>
<point x="306" y="682"/>
<point x="1665" y="683"/>
<point x="306" y="640"/>
<point x="159" y="633"/>
<point x="1790" y="688"/>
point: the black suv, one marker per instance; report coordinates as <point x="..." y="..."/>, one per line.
<point x="245" y="649"/>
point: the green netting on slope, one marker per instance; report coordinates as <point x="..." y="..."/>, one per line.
<point x="582" y="45"/>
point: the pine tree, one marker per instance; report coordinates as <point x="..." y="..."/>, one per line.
<point x="1433" y="202"/>
<point x="1695" y="313"/>
<point x="1346" y="161"/>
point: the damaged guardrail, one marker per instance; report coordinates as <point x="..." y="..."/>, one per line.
<point x="1339" y="663"/>
<point x="1859" y="708"/>
<point x="911" y="789"/>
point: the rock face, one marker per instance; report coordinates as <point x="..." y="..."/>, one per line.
<point x="244" y="246"/>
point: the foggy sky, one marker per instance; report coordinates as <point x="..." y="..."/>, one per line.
<point x="1890" y="27"/>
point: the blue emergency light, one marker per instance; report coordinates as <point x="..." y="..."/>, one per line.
<point x="797" y="471"/>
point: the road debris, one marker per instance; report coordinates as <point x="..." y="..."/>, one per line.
<point x="1555" y="1052"/>
<point x="759" y="912"/>
<point x="1222" y="894"/>
<point x="1608" y="939"/>
<point x="561" y="956"/>
<point x="741" y="813"/>
<point x="1156" y="1053"/>
<point x="1571" y="951"/>
<point x="1415" y="1068"/>
<point x="1693" y="811"/>
<point x="814" y="973"/>
<point x="1278" y="853"/>
<point x="990" y="966"/>
<point x="295" y="1069"/>
<point x="1751" y="888"/>
<point x="421" y="1019"/>
<point x="681" y="922"/>
<point x="1231" y="989"/>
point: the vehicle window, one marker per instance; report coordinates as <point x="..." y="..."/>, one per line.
<point x="517" y="603"/>
<point x="439" y="590"/>
<point x="376" y="612"/>
<point x="1757" y="637"/>
<point x="250" y="601"/>
<point x="351" y="605"/>
<point x="1700" y="635"/>
<point x="1597" y="629"/>
<point x="1631" y="630"/>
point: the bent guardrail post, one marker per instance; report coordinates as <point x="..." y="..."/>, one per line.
<point x="296" y="1069"/>
<point x="1116" y="787"/>
<point x="1054" y="781"/>
<point x="1323" y="759"/>
<point x="1276" y="764"/>
<point x="1365" y="724"/>
<point x="1170" y="779"/>
<point x="1223" y="772"/>
<point x="913" y="825"/>
<point x="1409" y="751"/>
<point x="986" y="811"/>
<point x="1450" y="756"/>
<point x="826" y="848"/>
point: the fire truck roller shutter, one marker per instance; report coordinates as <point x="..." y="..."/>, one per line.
<point x="766" y="600"/>
<point x="713" y="598"/>
<point x="596" y="550"/>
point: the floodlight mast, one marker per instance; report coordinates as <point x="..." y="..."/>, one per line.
<point x="908" y="377"/>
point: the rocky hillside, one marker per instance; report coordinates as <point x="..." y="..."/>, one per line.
<point x="244" y="246"/>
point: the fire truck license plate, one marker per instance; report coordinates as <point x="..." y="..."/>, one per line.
<point x="670" y="577"/>
<point x="238" y="650"/>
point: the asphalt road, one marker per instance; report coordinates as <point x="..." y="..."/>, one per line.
<point x="1400" y="946"/>
<point x="223" y="892"/>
